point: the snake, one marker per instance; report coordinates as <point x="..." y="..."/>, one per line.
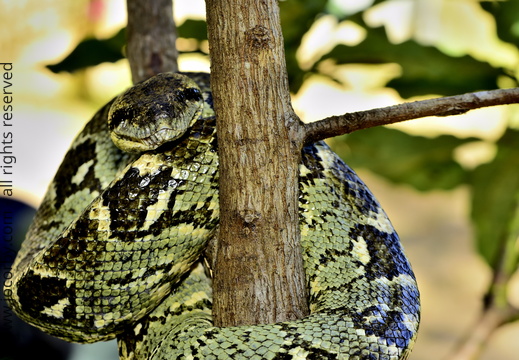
<point x="116" y="248"/>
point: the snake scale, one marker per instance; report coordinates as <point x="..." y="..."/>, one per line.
<point x="115" y="248"/>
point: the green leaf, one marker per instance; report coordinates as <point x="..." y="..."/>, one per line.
<point x="425" y="69"/>
<point x="297" y="16"/>
<point x="506" y="14"/>
<point x="91" y="52"/>
<point x="511" y="258"/>
<point x="193" y="29"/>
<point x="424" y="163"/>
<point x="495" y="194"/>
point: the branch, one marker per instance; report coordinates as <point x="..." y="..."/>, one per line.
<point x="151" y="36"/>
<point x="451" y="105"/>
<point x="497" y="309"/>
<point x="491" y="319"/>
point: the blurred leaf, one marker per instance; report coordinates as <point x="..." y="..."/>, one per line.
<point x="495" y="191"/>
<point x="506" y="14"/>
<point x="193" y="29"/>
<point x="91" y="52"/>
<point x="297" y="17"/>
<point x="424" y="163"/>
<point x="425" y="69"/>
<point x="511" y="261"/>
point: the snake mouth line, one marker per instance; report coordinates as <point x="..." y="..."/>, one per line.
<point x="160" y="137"/>
<point x="138" y="144"/>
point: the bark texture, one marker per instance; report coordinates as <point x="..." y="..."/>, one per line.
<point x="259" y="274"/>
<point x="151" y="35"/>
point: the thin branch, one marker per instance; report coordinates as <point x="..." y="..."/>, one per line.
<point x="491" y="319"/>
<point x="151" y="36"/>
<point x="497" y="309"/>
<point x="451" y="105"/>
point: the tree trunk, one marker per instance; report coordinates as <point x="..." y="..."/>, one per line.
<point x="259" y="274"/>
<point x="151" y="35"/>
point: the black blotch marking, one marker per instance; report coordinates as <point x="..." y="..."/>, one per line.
<point x="37" y="293"/>
<point x="311" y="159"/>
<point x="352" y="187"/>
<point x="211" y="334"/>
<point x="387" y="259"/>
<point x="189" y="94"/>
<point x="79" y="155"/>
<point x="390" y="326"/>
<point x="129" y="198"/>
<point x="332" y="255"/>
<point x="298" y="341"/>
<point x="198" y="218"/>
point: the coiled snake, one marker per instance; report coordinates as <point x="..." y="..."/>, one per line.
<point x="114" y="248"/>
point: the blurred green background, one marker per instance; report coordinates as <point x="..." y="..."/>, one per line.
<point x="450" y="185"/>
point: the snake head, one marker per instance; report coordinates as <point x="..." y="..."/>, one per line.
<point x="153" y="112"/>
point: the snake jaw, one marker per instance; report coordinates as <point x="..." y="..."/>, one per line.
<point x="146" y="138"/>
<point x="138" y="145"/>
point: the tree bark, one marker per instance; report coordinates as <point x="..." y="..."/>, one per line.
<point x="258" y="275"/>
<point x="151" y="36"/>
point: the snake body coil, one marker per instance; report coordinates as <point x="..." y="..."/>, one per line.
<point x="113" y="249"/>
